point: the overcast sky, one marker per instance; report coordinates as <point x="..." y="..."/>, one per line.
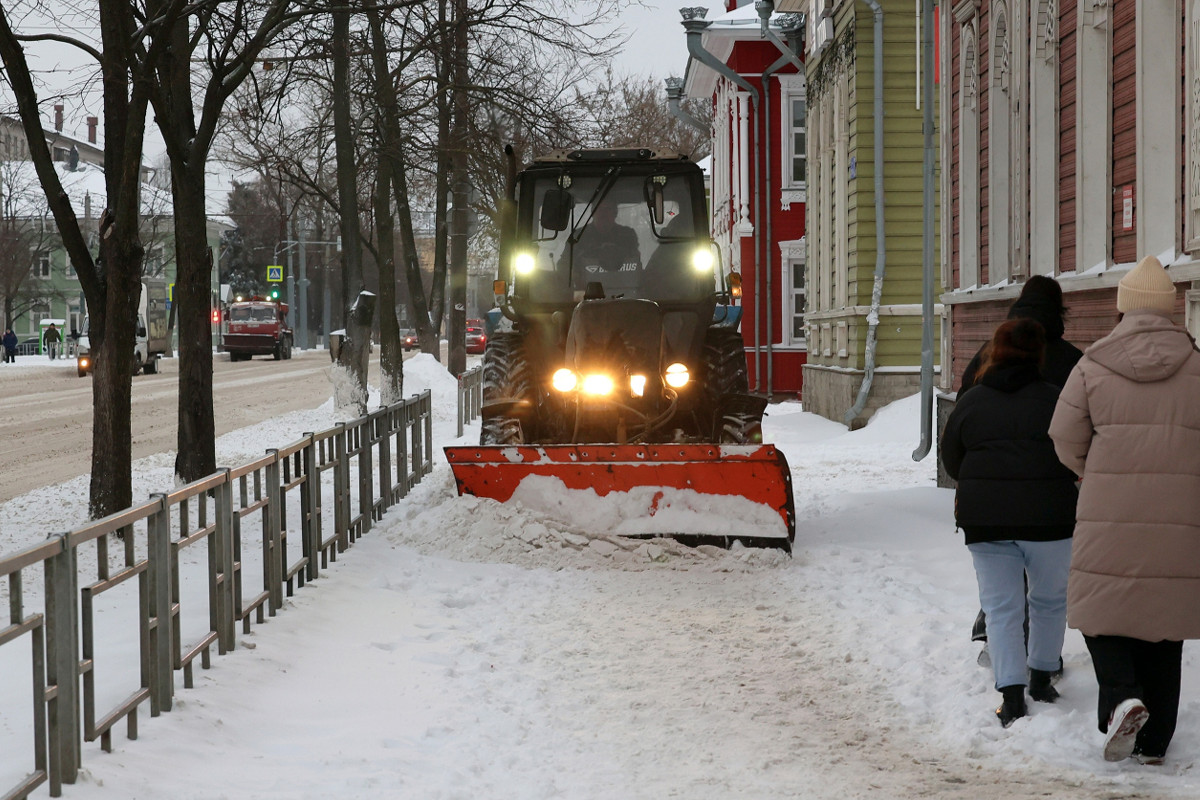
<point x="657" y="45"/>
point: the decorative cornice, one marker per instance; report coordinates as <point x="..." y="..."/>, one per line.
<point x="965" y="9"/>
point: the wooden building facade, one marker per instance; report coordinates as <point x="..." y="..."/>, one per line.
<point x="1070" y="148"/>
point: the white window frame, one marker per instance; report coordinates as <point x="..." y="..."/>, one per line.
<point x="1191" y="233"/>
<point x="968" y="160"/>
<point x="1000" y="146"/>
<point x="1157" y="212"/>
<point x="1093" y="139"/>
<point x="43" y="265"/>
<point x="1043" y="144"/>
<point x="792" y="257"/>
<point x="791" y="88"/>
<point x="1191" y="312"/>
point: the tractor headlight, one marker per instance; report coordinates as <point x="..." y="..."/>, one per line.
<point x="677" y="376"/>
<point x="637" y="385"/>
<point x="597" y="385"/>
<point x="564" y="380"/>
<point x="523" y="262"/>
<point x="702" y="260"/>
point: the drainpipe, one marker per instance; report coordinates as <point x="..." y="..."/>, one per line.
<point x="764" y="9"/>
<point x="927" y="245"/>
<point x="695" y="25"/>
<point x="880" y="247"/>
<point x="674" y="99"/>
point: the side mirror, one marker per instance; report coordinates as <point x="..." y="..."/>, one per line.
<point x="556" y="209"/>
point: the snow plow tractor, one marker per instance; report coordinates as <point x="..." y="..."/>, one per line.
<point x="613" y="360"/>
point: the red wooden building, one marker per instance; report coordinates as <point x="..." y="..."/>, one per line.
<point x="1071" y="148"/>
<point x="758" y="177"/>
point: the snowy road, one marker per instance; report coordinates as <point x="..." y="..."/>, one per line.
<point x="466" y="649"/>
<point x="47" y="409"/>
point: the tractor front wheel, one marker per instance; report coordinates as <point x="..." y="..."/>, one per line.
<point x="508" y="391"/>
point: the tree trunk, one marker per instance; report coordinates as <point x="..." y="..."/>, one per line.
<point x="437" y="291"/>
<point x="456" y="329"/>
<point x="196" y="449"/>
<point x="352" y="356"/>
<point x="391" y="356"/>
<point x="114" y="323"/>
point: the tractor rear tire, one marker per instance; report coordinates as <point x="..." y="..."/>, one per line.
<point x="507" y="379"/>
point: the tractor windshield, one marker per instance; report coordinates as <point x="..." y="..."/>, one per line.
<point x="604" y="229"/>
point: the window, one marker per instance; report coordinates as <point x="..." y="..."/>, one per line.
<point x="794" y="138"/>
<point x="798" y="305"/>
<point x="42" y="264"/>
<point x="968" y="164"/>
<point x="38" y="312"/>
<point x="795" y="293"/>
<point x="797" y="139"/>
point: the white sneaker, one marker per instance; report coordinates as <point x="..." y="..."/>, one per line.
<point x="1127" y="719"/>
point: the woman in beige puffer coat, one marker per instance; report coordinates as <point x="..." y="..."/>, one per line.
<point x="1128" y="423"/>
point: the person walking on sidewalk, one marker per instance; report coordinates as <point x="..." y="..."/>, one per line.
<point x="1015" y="503"/>
<point x="52" y="338"/>
<point x="10" y="346"/>
<point x="1128" y="423"/>
<point x="1041" y="299"/>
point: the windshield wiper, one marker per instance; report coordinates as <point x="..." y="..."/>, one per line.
<point x="589" y="210"/>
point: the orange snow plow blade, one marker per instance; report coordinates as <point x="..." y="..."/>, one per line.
<point x="731" y="492"/>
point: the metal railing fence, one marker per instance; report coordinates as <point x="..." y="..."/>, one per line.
<point x="200" y="559"/>
<point x="470" y="397"/>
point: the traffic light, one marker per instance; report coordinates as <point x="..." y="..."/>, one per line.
<point x="216" y="316"/>
<point x="274" y="294"/>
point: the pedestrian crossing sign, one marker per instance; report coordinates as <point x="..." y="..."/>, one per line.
<point x="275" y="274"/>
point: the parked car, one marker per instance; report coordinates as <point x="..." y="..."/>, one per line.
<point x="476" y="339"/>
<point x="409" y="339"/>
<point x="28" y="347"/>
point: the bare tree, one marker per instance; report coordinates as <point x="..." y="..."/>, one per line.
<point x="111" y="282"/>
<point x="520" y="60"/>
<point x="631" y="111"/>
<point x="227" y="38"/>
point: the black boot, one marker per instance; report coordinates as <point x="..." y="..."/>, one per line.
<point x="1013" y="707"/>
<point x="1040" y="688"/>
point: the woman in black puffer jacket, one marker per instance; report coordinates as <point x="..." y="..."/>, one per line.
<point x="1041" y="299"/>
<point x="1016" y="504"/>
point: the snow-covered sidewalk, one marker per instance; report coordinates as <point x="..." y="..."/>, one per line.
<point x="465" y="649"/>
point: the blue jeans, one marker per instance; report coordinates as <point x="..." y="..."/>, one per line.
<point x="1000" y="568"/>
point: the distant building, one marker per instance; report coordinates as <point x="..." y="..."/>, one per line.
<point x="864" y="345"/>
<point x="51" y="289"/>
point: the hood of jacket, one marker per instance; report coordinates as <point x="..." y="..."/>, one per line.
<point x="1145" y="346"/>
<point x="1040" y="310"/>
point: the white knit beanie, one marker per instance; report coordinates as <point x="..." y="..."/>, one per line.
<point x="1146" y="286"/>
